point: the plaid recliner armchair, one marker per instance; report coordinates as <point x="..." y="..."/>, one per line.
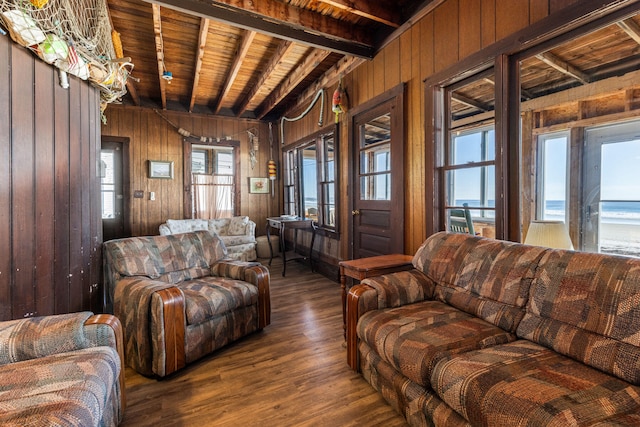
<point x="179" y="299"/>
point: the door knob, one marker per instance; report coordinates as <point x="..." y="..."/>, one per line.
<point x="355" y="212"/>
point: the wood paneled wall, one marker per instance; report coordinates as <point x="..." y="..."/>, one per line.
<point x="151" y="137"/>
<point x="50" y="226"/>
<point x="443" y="37"/>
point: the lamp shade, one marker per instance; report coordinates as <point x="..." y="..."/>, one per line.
<point x="550" y="234"/>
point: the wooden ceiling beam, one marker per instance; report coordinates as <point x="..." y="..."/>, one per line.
<point x="630" y="27"/>
<point x="523" y="92"/>
<point x="157" y="30"/>
<point x="241" y="54"/>
<point x="284" y="48"/>
<point x="371" y="10"/>
<point x="202" y="41"/>
<point x="470" y="102"/>
<point x="284" y="21"/>
<point x="308" y="64"/>
<point x="132" y="92"/>
<point x="564" y="67"/>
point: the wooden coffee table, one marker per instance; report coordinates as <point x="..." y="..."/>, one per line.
<point x="362" y="268"/>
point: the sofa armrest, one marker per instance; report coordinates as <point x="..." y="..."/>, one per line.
<point x="163" y="229"/>
<point x="152" y="313"/>
<point x="254" y="273"/>
<point x="36" y="337"/>
<point x="251" y="228"/>
<point x="385" y="291"/>
<point x="106" y="330"/>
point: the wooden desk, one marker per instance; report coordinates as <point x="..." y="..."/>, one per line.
<point x="282" y="224"/>
<point x="368" y="267"/>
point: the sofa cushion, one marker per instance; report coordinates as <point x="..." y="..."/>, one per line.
<point x="414" y="337"/>
<point x="238" y="240"/>
<point x="156" y="256"/>
<point x="587" y="306"/>
<point x="71" y="389"/>
<point x="219" y="226"/>
<point x="522" y="383"/>
<point x="484" y="277"/>
<point x="238" y="225"/>
<point x="177" y="226"/>
<point x="209" y="297"/>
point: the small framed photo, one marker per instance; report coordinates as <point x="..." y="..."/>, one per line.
<point x="259" y="185"/>
<point x="160" y="169"/>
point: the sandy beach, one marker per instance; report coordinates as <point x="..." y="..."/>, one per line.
<point x="620" y="238"/>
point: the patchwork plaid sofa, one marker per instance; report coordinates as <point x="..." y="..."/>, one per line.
<point x="61" y="370"/>
<point x="491" y="333"/>
<point x="237" y="233"/>
<point x="179" y="298"/>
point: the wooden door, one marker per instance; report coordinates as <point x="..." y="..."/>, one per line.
<point x="378" y="198"/>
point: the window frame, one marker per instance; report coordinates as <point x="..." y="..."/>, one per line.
<point x="574" y="20"/>
<point x="293" y="181"/>
<point x="484" y="163"/>
<point x="189" y="145"/>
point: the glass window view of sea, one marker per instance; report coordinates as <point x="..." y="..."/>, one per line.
<point x="619" y="223"/>
<point x="618" y="227"/>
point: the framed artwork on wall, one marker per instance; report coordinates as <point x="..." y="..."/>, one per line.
<point x="160" y="169"/>
<point x="259" y="185"/>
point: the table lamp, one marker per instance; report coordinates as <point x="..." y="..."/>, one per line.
<point x="549" y="234"/>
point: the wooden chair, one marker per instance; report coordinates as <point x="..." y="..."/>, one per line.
<point x="460" y="220"/>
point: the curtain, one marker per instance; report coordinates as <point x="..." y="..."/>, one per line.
<point x="212" y="196"/>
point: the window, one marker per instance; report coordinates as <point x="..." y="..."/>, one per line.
<point x="464" y="158"/>
<point x="310" y="179"/>
<point x="470" y="173"/>
<point x="213" y="182"/>
<point x="553" y="151"/>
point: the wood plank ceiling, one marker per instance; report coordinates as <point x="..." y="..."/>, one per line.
<point x="257" y="58"/>
<point x="249" y="58"/>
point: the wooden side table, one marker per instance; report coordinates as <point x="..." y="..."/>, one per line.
<point x="362" y="268"/>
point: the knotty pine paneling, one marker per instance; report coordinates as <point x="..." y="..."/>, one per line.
<point x="152" y="138"/>
<point x="448" y="34"/>
<point x="50" y="226"/>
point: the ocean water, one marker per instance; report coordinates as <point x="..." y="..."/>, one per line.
<point x="610" y="212"/>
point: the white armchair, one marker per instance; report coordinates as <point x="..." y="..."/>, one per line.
<point x="237" y="233"/>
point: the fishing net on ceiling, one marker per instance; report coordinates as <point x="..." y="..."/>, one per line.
<point x="73" y="35"/>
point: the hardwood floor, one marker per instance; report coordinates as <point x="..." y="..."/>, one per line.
<point x="293" y="373"/>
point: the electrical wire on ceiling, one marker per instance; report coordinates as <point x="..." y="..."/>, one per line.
<point x="320" y="94"/>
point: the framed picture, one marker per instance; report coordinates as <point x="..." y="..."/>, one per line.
<point x="160" y="169"/>
<point x="259" y="185"/>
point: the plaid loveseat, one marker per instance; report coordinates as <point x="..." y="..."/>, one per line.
<point x="491" y="333"/>
<point x="61" y="370"/>
<point x="179" y="299"/>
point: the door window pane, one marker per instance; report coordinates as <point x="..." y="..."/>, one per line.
<point x="610" y="221"/>
<point x="375" y="159"/>
<point x="107" y="172"/>
<point x="620" y="198"/>
<point x="375" y="187"/>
